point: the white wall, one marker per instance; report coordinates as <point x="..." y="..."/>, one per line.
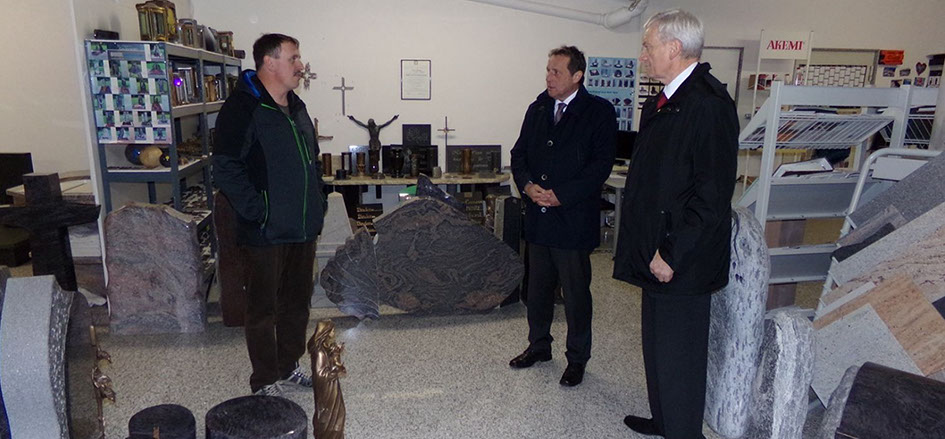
<point x="41" y="108"/>
<point x="488" y="62"/>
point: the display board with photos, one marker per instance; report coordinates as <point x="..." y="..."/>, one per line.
<point x="614" y="79"/>
<point x="130" y="91"/>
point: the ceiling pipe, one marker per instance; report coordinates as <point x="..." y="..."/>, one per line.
<point x="610" y="20"/>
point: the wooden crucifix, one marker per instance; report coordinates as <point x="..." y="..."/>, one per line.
<point x="47" y="218"/>
<point x="446" y="132"/>
<point x="343" y="90"/>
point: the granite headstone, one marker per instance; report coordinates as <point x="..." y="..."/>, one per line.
<point x="257" y="417"/>
<point x="888" y="403"/>
<point x="33" y="356"/>
<point x="156" y="280"/>
<point x="735" y="329"/>
<point x="780" y="395"/>
<point x="4" y="423"/>
<point x="426" y="188"/>
<point x="838" y="400"/>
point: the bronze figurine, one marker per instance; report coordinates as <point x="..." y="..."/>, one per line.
<point x="327" y="368"/>
<point x="374" y="130"/>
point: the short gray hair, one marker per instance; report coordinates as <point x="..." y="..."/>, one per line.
<point x="679" y="25"/>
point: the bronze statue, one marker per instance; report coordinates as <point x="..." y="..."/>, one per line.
<point x="327" y="368"/>
<point x="374" y="130"/>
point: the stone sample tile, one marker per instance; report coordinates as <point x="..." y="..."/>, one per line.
<point x="350" y="277"/>
<point x="923" y="261"/>
<point x="257" y="417"/>
<point x="914" y="195"/>
<point x="336" y="230"/>
<point x="32" y="357"/>
<point x="889" y="403"/>
<point x="891" y="246"/>
<point x="432" y="259"/>
<point x="846" y="251"/>
<point x="889" y="216"/>
<point x="736" y="327"/>
<point x="231" y="269"/>
<point x="779" y="399"/>
<point x="915" y="323"/>
<point x="156" y="282"/>
<point x="838" y="400"/>
<point x="856" y="338"/>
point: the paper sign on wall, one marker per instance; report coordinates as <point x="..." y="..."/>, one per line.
<point x="784" y="45"/>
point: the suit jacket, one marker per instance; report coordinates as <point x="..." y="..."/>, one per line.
<point x="573" y="157"/>
<point x="679" y="190"/>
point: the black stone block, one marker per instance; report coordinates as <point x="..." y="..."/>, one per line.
<point x="171" y="420"/>
<point x="257" y="417"/>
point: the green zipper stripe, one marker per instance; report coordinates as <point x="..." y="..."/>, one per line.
<point x="266" y="201"/>
<point x="303" y="154"/>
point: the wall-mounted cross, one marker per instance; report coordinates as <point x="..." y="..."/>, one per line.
<point x="446" y="131"/>
<point x="343" y="89"/>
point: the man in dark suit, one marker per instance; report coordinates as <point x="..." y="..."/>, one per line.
<point x="675" y="225"/>
<point x="562" y="157"/>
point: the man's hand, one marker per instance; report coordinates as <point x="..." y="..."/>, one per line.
<point x="661" y="269"/>
<point x="541" y="196"/>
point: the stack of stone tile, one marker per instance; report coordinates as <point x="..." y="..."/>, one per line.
<point x="889" y="304"/>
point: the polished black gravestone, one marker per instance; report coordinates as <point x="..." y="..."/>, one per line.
<point x="257" y="417"/>
<point x="47" y="218"/>
<point x="888" y="403"/>
<point x="169" y="421"/>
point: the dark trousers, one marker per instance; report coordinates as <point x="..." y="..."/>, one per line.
<point x="278" y="296"/>
<point x="571" y="269"/>
<point x="675" y="335"/>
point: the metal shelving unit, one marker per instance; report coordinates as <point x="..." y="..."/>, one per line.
<point x="826" y="195"/>
<point x="169" y="54"/>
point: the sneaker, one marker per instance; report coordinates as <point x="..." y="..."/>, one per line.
<point x="273" y="389"/>
<point x="298" y="377"/>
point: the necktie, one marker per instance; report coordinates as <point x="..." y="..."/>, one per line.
<point x="559" y="113"/>
<point x="662" y="100"/>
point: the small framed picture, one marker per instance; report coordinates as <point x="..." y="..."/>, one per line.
<point x="141" y="134"/>
<point x="123" y="134"/>
<point x="126" y="118"/>
<point x="114" y="68"/>
<point x="124" y="85"/>
<point x="139" y="102"/>
<point x="144" y="118"/>
<point x="104" y="134"/>
<point x="164" y="118"/>
<point x="415" y="79"/>
<point x="156" y="70"/>
<point x="160" y="135"/>
<point x="160" y="103"/>
<point x="161" y="86"/>
<point x="103" y="85"/>
<point x="98" y="102"/>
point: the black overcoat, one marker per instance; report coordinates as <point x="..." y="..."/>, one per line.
<point x="679" y="188"/>
<point x="573" y="158"/>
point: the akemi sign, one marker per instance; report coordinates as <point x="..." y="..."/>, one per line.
<point x="781" y="45"/>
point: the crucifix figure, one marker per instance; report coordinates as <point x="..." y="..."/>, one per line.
<point x="47" y="218"/>
<point x="446" y="131"/>
<point x="374" y="130"/>
<point x="343" y="89"/>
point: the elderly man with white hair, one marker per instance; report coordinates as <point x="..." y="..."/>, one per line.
<point x="675" y="224"/>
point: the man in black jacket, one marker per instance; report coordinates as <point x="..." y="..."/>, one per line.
<point x="676" y="221"/>
<point x="562" y="157"/>
<point x="265" y="162"/>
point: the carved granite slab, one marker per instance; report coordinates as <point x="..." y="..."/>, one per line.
<point x="735" y="329"/>
<point x="155" y="271"/>
<point x="428" y="258"/>
<point x="432" y="259"/>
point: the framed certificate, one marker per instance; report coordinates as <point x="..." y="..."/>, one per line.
<point x="415" y="79"/>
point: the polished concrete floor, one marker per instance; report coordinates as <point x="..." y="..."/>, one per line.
<point x="416" y="377"/>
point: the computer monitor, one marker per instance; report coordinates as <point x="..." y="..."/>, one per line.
<point x="625" y="141"/>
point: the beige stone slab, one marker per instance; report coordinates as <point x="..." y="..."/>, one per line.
<point x="915" y="324"/>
